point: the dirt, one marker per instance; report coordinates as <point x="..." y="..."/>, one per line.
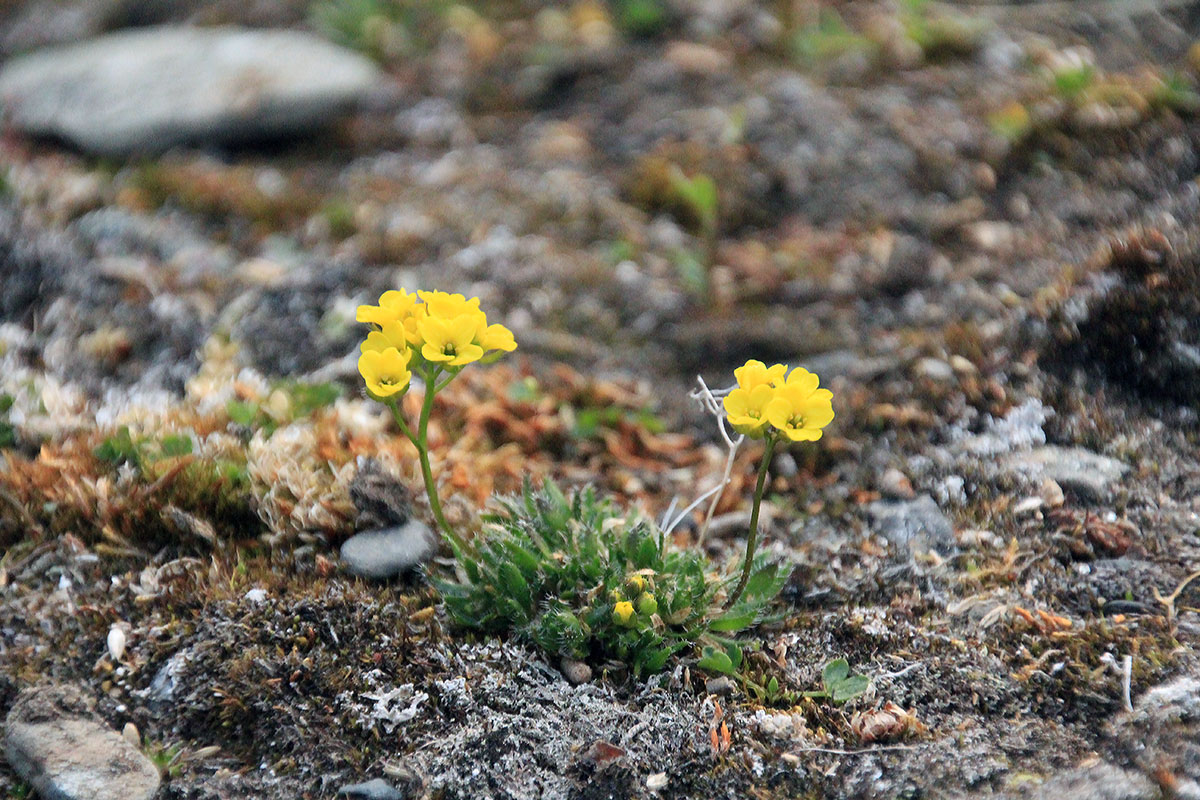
<point x="976" y="257"/>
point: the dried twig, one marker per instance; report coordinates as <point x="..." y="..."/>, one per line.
<point x="708" y="398"/>
<point x="1169" y="601"/>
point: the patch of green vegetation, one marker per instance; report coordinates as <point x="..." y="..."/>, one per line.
<point x="840" y="685"/>
<point x="165" y="757"/>
<point x="300" y="400"/>
<point x="381" y="29"/>
<point x="8" y="434"/>
<point x="940" y="34"/>
<point x="142" y="451"/>
<point x="591" y="422"/>
<point x="584" y="579"/>
<point x="339" y="214"/>
<point x="828" y="39"/>
<point x="1177" y="93"/>
<point x="1072" y="82"/>
<point x="641" y="17"/>
<point x="20" y="791"/>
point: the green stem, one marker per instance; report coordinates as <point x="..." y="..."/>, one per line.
<point x="421" y="442"/>
<point x="752" y="537"/>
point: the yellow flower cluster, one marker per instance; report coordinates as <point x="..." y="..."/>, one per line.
<point x="442" y="331"/>
<point x="769" y="399"/>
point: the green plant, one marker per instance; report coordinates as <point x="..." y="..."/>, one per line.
<point x="585" y="580"/>
<point x="829" y="38"/>
<point x="166" y="757"/>
<point x="8" y="434"/>
<point x="839" y="683"/>
<point x="1177" y="93"/>
<point x="1071" y="82"/>
<point x="140" y="452"/>
<point x="382" y="29"/>
<point x="20" y="791"/>
<point x="288" y="401"/>
<point x="940" y="32"/>
<point x="641" y="17"/>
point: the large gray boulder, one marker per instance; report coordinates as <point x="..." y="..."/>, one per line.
<point x="153" y="88"/>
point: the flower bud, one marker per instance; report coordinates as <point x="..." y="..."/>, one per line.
<point x="646" y="604"/>
<point x="623" y="612"/>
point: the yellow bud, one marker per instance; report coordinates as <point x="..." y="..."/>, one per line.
<point x="623" y="612"/>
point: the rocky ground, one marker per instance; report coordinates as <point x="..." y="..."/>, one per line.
<point x="977" y="223"/>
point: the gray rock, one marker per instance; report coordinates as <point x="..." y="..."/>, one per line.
<point x="915" y="524"/>
<point x="1098" y="782"/>
<point x="576" y="672"/>
<point x="386" y="553"/>
<point x="151" y="89"/>
<point x="1083" y="472"/>
<point x="54" y="741"/>
<point x="377" y="789"/>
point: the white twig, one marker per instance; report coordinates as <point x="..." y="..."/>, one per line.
<point x="1126" y="680"/>
<point x="708" y="398"/>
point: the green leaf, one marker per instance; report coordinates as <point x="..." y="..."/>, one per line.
<point x="850" y="688"/>
<point x="242" y="413"/>
<point x="835" y="671"/>
<point x="734" y="620"/>
<point x="715" y="660"/>
<point x="176" y="445"/>
<point x="515" y="586"/>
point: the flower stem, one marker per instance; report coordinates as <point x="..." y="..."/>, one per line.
<point x="421" y="442"/>
<point x="752" y="537"/>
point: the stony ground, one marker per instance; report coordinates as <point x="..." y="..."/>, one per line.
<point x="977" y="223"/>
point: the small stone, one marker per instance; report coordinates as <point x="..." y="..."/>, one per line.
<point x="656" y="781"/>
<point x="149" y="89"/>
<point x="576" y="672"/>
<point x="916" y="524"/>
<point x="131" y="734"/>
<point x="386" y="553"/>
<point x="1074" y="469"/>
<point x="721" y="685"/>
<point x="1097" y="782"/>
<point x="377" y="789"/>
<point x="55" y="742"/>
<point x="697" y="59"/>
<point x="256" y="596"/>
<point x="896" y="485"/>
<point x="1051" y="493"/>
<point x="935" y="370"/>
<point x="116" y="642"/>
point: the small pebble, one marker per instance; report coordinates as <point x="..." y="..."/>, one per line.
<point x="386" y="553"/>
<point x="656" y="781"/>
<point x="116" y="642"/>
<point x="377" y="789"/>
<point x="131" y="735"/>
<point x="895" y="484"/>
<point x="576" y="672"/>
<point x="721" y="685"/>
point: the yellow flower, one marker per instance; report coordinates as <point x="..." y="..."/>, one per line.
<point x="392" y="334"/>
<point x="497" y="337"/>
<point x="623" y="612"/>
<point x="385" y="371"/>
<point x="395" y="305"/>
<point x="449" y="306"/>
<point x="799" y="409"/>
<point x="450" y="342"/>
<point x="746" y="409"/>
<point x="755" y="373"/>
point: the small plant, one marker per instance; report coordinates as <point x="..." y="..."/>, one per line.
<point x="434" y="335"/>
<point x="777" y="406"/>
<point x="828" y="39"/>
<point x="288" y="401"/>
<point x="1071" y="82"/>
<point x="8" y="434"/>
<point x="584" y="580"/>
<point x="143" y="451"/>
<point x="642" y="17"/>
<point x="839" y="683"/>
<point x="168" y="758"/>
